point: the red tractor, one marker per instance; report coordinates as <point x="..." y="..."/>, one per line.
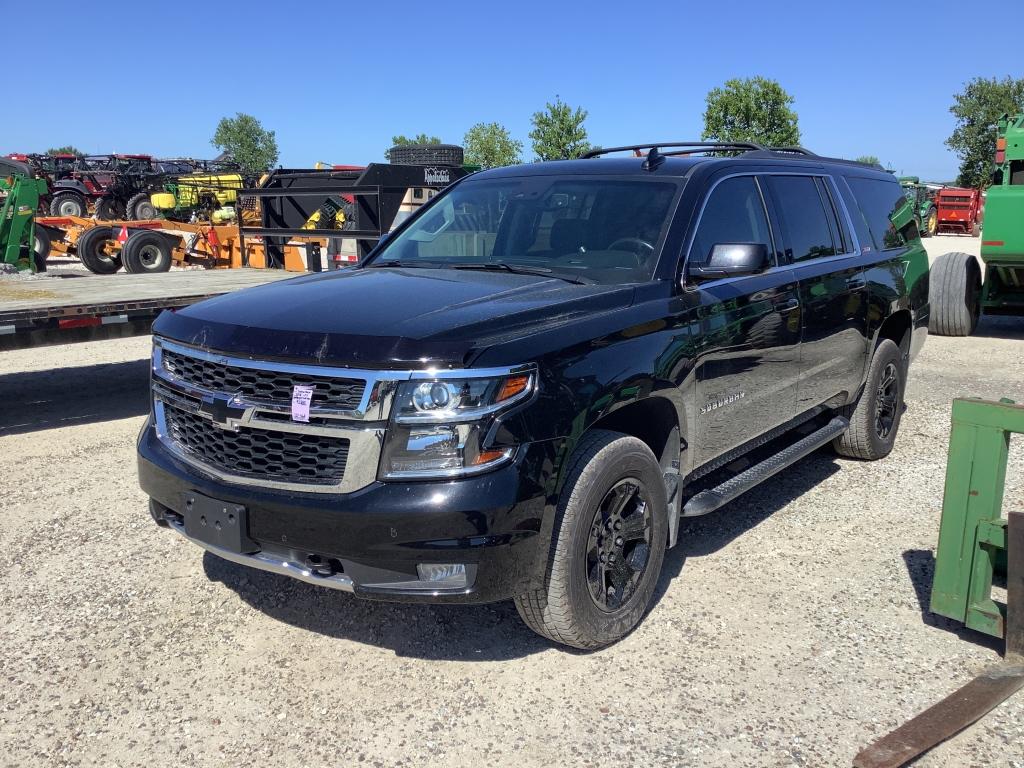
<point x="959" y="210"/>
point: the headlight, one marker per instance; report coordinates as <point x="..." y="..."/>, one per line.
<point x="439" y="424"/>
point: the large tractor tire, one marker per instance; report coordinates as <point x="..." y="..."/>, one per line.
<point x="146" y="252"/>
<point x="91" y="249"/>
<point x="930" y="224"/>
<point x="41" y="247"/>
<point x="426" y="154"/>
<point x="954" y="292"/>
<point x="109" y="209"/>
<point x="68" y="204"/>
<point x="140" y="208"/>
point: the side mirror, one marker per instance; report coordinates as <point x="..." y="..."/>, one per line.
<point x="732" y="260"/>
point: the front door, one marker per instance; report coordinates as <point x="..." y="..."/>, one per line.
<point x="747" y="330"/>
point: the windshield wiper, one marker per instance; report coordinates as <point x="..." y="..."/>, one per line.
<point x="517" y="269"/>
<point x="404" y="264"/>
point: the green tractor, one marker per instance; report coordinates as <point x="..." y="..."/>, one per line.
<point x="20" y="246"/>
<point x="961" y="289"/>
<point x="923" y="200"/>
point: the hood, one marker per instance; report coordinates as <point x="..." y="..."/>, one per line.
<point x="386" y="317"/>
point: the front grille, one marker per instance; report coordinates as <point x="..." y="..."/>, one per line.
<point x="258" y="453"/>
<point x="261" y="385"/>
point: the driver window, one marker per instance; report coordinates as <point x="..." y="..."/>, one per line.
<point x="734" y="213"/>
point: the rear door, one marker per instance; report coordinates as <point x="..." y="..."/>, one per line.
<point x="747" y="329"/>
<point x="833" y="297"/>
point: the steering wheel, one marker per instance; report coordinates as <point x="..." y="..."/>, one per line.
<point x="641" y="248"/>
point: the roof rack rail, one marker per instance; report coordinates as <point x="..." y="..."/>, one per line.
<point x="695" y="146"/>
<point x="793" y="150"/>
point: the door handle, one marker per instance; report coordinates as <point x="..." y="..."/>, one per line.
<point x="855" y="283"/>
<point x="787" y="306"/>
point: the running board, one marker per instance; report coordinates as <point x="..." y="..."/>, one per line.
<point x="713" y="498"/>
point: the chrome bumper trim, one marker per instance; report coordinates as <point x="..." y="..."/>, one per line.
<point x="266" y="562"/>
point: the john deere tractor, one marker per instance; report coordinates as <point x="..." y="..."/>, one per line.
<point x="200" y="196"/>
<point x="923" y="200"/>
<point x="961" y="290"/>
<point x="19" y="199"/>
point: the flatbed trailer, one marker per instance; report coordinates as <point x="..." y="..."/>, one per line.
<point x="59" y="310"/>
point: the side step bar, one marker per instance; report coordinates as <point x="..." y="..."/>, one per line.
<point x="713" y="498"/>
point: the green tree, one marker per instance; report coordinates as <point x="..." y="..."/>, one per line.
<point x="68" y="150"/>
<point x="869" y="159"/>
<point x="751" y="109"/>
<point x="558" y="132"/>
<point x="489" y="145"/>
<point x="976" y="109"/>
<point x="247" y="142"/>
<point x="402" y="140"/>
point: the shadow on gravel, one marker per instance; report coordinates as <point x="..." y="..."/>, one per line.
<point x="921" y="569"/>
<point x="437" y="632"/>
<point x="996" y="327"/>
<point x="38" y="400"/>
<point x="489" y="632"/>
<point x="700" y="536"/>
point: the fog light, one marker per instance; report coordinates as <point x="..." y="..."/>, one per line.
<point x="443" y="574"/>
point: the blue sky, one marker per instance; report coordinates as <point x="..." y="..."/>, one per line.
<point x="337" y="80"/>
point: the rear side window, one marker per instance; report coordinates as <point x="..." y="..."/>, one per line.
<point x="809" y="232"/>
<point x="888" y="211"/>
<point x="734" y="213"/>
<point x="860" y="224"/>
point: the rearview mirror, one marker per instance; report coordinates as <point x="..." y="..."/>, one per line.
<point x="732" y="260"/>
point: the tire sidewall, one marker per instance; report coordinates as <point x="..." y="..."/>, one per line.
<point x="92" y="239"/>
<point x="887" y="352"/>
<point x="132" y="253"/>
<point x="619" y="460"/>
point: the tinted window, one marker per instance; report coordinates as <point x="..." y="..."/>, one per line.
<point x="888" y="211"/>
<point x="599" y="230"/>
<point x="860" y="224"/>
<point x="808" y="231"/>
<point x="734" y="214"/>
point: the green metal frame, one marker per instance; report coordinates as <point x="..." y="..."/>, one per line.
<point x="973" y="532"/>
<point x="17" y="221"/>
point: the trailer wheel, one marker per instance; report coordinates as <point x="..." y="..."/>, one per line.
<point x="955" y="294"/>
<point x="426" y="154"/>
<point x="976" y="230"/>
<point x="140" y="208"/>
<point x="41" y="247"/>
<point x="147" y="252"/>
<point x="68" y="204"/>
<point x="92" y="250"/>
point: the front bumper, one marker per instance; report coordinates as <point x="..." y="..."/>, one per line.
<point x="370" y="541"/>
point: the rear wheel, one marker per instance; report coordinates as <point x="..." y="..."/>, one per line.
<point x="92" y="247"/>
<point x="875" y="419"/>
<point x="68" y="204"/>
<point x="931" y="223"/>
<point x="955" y="295"/>
<point x="108" y="209"/>
<point x="146" y="252"/>
<point x="140" y="207"/>
<point x="608" y="545"/>
<point x="41" y="248"/>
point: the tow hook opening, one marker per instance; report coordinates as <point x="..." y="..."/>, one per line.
<point x="325" y="567"/>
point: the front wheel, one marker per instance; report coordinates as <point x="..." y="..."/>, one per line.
<point x="608" y="545"/>
<point x="875" y="419"/>
<point x="931" y="224"/>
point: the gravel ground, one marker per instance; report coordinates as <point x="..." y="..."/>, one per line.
<point x="790" y="628"/>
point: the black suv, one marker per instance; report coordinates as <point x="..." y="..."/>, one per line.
<point x="520" y="391"/>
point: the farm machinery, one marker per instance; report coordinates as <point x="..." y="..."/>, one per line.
<point x="922" y="198"/>
<point x="961" y="289"/>
<point x="19" y="198"/>
<point x="959" y="211"/>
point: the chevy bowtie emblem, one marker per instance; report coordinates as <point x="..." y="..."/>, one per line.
<point x="218" y="409"/>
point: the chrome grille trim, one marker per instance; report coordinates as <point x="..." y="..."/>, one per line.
<point x="364" y="427"/>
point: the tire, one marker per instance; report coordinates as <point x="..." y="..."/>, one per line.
<point x="68" y="204"/>
<point x="976" y="230"/>
<point x="146" y="252"/>
<point x="565" y="609"/>
<point x="875" y="419"/>
<point x="108" y="209"/>
<point x="139" y="208"/>
<point x="426" y="154"/>
<point x="931" y="223"/>
<point x="41" y="247"/>
<point x="90" y="247"/>
<point x="955" y="294"/>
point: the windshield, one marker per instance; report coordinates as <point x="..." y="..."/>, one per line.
<point x="583" y="229"/>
